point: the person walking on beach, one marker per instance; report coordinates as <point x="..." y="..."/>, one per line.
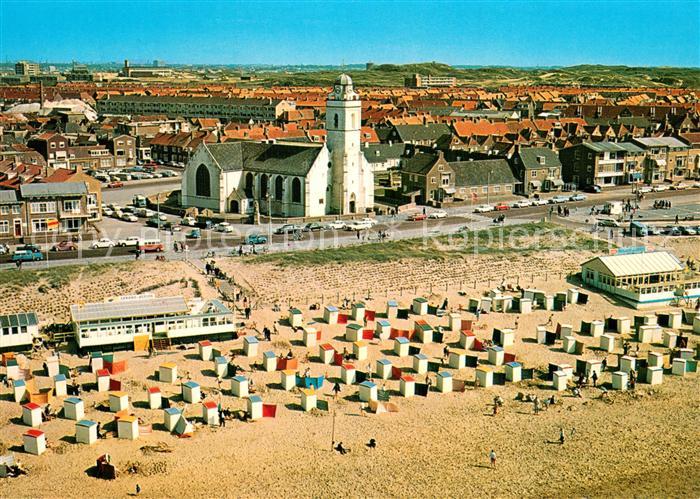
<point x="561" y="436"/>
<point x="492" y="458"/>
<point x="336" y="390"/>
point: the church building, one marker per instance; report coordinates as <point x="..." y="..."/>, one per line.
<point x="290" y="180"/>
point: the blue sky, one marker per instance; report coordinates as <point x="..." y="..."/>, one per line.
<point x="516" y="33"/>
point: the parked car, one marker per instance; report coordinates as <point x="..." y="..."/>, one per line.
<point x="680" y="186"/>
<point x="521" y="203"/>
<point x="539" y="202"/>
<point x="129" y="241"/>
<point x="64" y="246"/>
<point x="115" y="184"/>
<point x="168" y="173"/>
<point x="501" y="207"/>
<point x="357" y="225"/>
<point x="672" y="230"/>
<point x="194" y="234"/>
<point x="27" y="255"/>
<point x="224" y="227"/>
<point x="559" y="199"/>
<point x="255" y="239"/>
<point x="593" y="189"/>
<point x="314" y="227"/>
<point x="144" y="213"/>
<point x="577" y="197"/>
<point x="645" y="189"/>
<point x="289" y="229"/>
<point x="188" y="221"/>
<point x="438" y="214"/>
<point x="336" y="225"/>
<point x="660" y="188"/>
<point x="608" y="222"/>
<point x="417" y="217"/>
<point x="130" y="217"/>
<point x="102" y="243"/>
<point x="370" y="221"/>
<point x="154" y="222"/>
<point x="688" y="231"/>
<point x="107" y="212"/>
<point x="483" y="208"/>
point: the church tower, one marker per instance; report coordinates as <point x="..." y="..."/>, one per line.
<point x="351" y="180"/>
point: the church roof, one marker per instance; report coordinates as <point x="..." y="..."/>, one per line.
<point x="286" y="159"/>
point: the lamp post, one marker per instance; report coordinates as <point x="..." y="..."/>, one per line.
<point x="269" y="212"/>
<point x="488" y="187"/>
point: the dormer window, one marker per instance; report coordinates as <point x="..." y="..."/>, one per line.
<point x="541" y="160"/>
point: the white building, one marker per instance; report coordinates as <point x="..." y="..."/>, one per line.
<point x="120" y="320"/>
<point x="295" y="180"/>
<point x="18" y="330"/>
<point x="642" y="279"/>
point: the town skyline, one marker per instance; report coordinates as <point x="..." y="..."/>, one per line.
<point x="524" y="34"/>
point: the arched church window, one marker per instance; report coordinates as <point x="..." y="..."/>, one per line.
<point x="202" y="182"/>
<point x="279" y="186"/>
<point x="263" y="186"/>
<point x="296" y="191"/>
<point x="353" y="120"/>
<point x="335" y="121"/>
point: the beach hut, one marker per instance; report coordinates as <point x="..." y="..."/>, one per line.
<point x="112" y="365"/>
<point x="183" y="428"/>
<point x="423" y="331"/>
<point x="353" y="332"/>
<point x="383" y="329"/>
<point x="569" y="344"/>
<point x="507" y="338"/>
<point x="548" y="302"/>
<point x="572" y="295"/>
<point x="696" y="323"/>
<point x="368" y="391"/>
<point x="51" y="366"/>
<point x="155" y="400"/>
<point x="597" y="328"/>
<point x="359" y="350"/>
<point x="210" y="413"/>
<point x="645" y="320"/>
<point x="330" y="314"/>
<point x="310" y="337"/>
<point x="171" y="416"/>
<point x="619" y="380"/>
<point x="419" y="306"/>
<point x="496" y="355"/>
<point x="308" y="399"/>
<point x="594" y="366"/>
<point x="73" y="409"/>
<point x="347" y="374"/>
<point x="102" y="376"/>
<point x="420" y="363"/>
<point x="444" y="382"/>
<point x="457" y="359"/>
<point x="502" y="303"/>
<point x="455" y="321"/>
<point x="288" y="379"/>
<point x="191" y="392"/>
<point x="484" y="376"/>
<point x="31" y="414"/>
<point x="525" y="305"/>
<point x="12" y="369"/>
<point x="296" y="318"/>
<point x="60" y="385"/>
<point x="514" y="371"/>
<point x="269" y="361"/>
<point x="486" y="305"/>
<point x="220" y="366"/>
<point x="651" y="333"/>
<point x="670" y="339"/>
<point x="559" y="380"/>
<point x="128" y="428"/>
<point x="623" y="325"/>
<point x="392" y="308"/>
<point x="607" y="342"/>
<point x="19" y="389"/>
<point x="118" y="401"/>
<point x="239" y="386"/>
<point x="206" y="350"/>
<point x="655" y="375"/>
<point x="250" y="346"/>
<point x="672" y="319"/>
<point x="85" y="432"/>
<point x="679" y="367"/>
<point x="96" y="362"/>
<point x="383" y="368"/>
<point x="255" y="407"/>
<point x="655" y="359"/>
<point x="565" y="330"/>
<point x="167" y="372"/>
<point x="627" y="363"/>
<point x="686" y="353"/>
<point x="466" y="339"/>
<point x="358" y="311"/>
<point x="541" y="335"/>
<point x="407" y="386"/>
<point x="401" y="346"/>
<point x="34" y="442"/>
<point x="326" y="353"/>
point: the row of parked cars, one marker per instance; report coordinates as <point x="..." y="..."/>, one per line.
<point x="525" y="203"/>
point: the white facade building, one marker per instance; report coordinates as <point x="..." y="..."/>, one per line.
<point x="18" y="330"/>
<point x="287" y="179"/>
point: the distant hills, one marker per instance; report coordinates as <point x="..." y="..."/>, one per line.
<point x="585" y="75"/>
